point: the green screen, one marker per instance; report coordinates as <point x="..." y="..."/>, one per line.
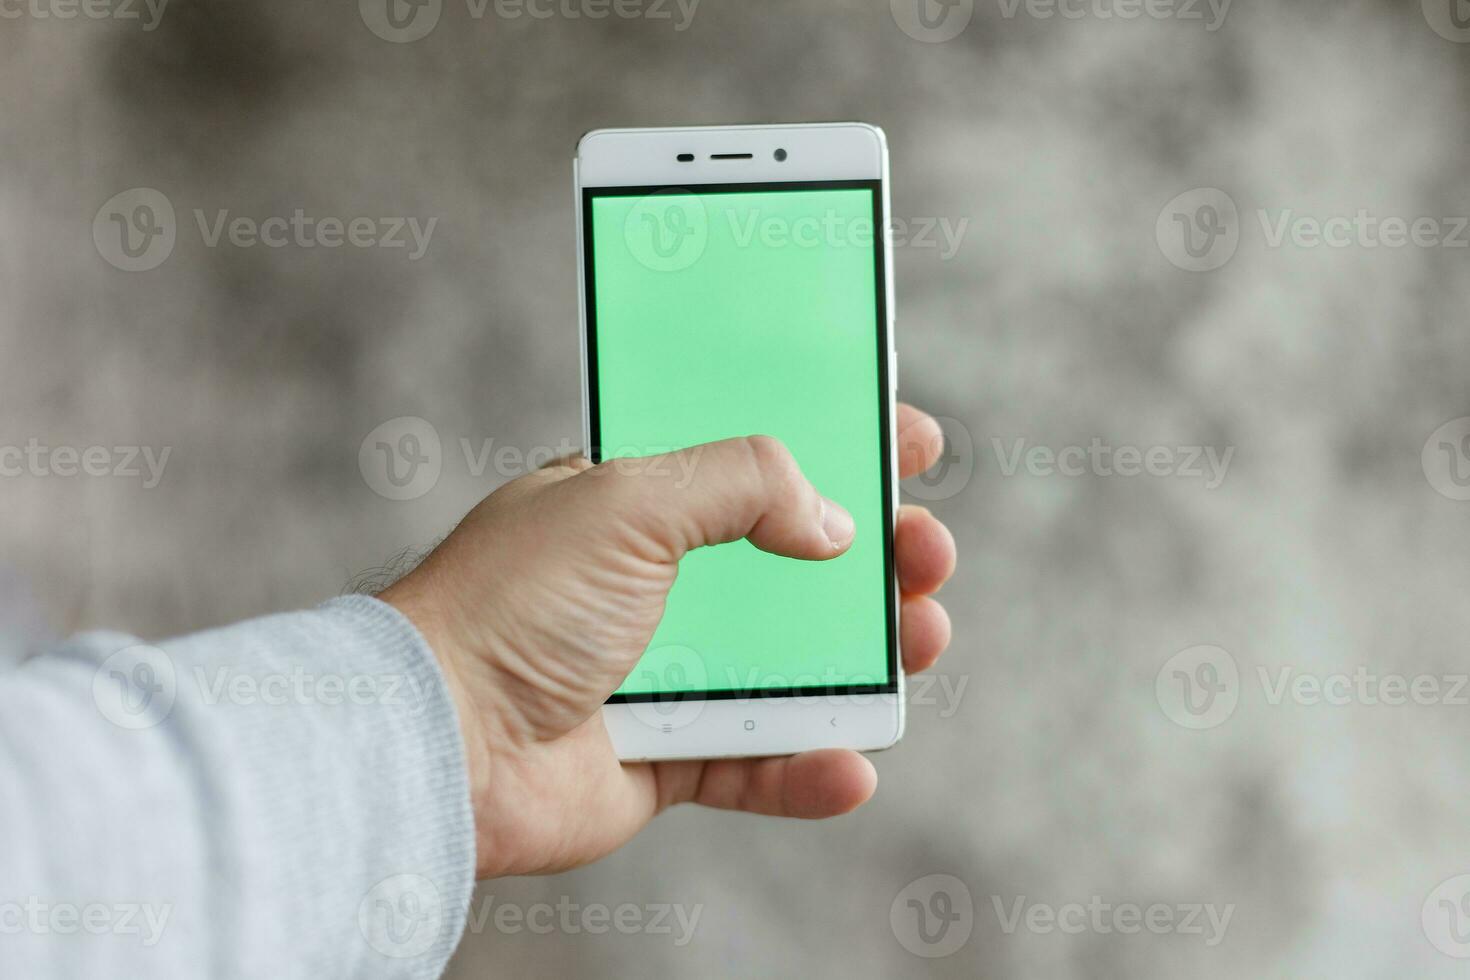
<point x="732" y="311"/>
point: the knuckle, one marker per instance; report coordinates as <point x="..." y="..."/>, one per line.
<point x="770" y="453"/>
<point x="775" y="466"/>
<point x="768" y="450"/>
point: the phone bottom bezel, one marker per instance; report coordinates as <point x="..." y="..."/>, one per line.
<point x="749" y="727"/>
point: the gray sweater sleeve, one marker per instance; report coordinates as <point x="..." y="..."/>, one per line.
<point x="282" y="798"/>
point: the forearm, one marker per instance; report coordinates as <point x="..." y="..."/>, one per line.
<point x="239" y="795"/>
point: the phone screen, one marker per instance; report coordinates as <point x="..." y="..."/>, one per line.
<point x="725" y="310"/>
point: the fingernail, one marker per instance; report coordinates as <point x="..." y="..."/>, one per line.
<point x="837" y="524"/>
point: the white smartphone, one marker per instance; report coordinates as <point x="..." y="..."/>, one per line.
<point x="738" y="280"/>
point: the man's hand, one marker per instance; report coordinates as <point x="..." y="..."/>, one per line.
<point x="545" y="596"/>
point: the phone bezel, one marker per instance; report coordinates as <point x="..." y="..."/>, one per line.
<point x="831" y="155"/>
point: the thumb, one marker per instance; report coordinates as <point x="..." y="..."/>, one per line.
<point x="717" y="492"/>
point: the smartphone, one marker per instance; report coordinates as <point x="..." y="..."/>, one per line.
<point x="738" y="280"/>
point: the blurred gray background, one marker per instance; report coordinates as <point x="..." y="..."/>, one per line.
<point x="1055" y="764"/>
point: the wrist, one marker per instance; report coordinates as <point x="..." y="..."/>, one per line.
<point x="414" y="606"/>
